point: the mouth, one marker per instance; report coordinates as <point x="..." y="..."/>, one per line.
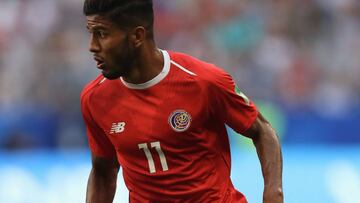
<point x="99" y="63"/>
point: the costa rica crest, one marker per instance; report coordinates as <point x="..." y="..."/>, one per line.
<point x="179" y="120"/>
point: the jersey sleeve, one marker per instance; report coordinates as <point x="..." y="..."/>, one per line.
<point x="99" y="143"/>
<point x="230" y="104"/>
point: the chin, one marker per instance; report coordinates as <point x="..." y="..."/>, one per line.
<point x="110" y="76"/>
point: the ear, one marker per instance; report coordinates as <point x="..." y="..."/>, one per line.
<point x="138" y="36"/>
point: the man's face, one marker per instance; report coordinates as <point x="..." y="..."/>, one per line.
<point x="110" y="46"/>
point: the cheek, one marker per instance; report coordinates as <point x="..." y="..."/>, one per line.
<point x="108" y="46"/>
<point x="110" y="52"/>
<point x="121" y="53"/>
<point x="116" y="49"/>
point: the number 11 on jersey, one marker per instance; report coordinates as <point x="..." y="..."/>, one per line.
<point x="149" y="157"/>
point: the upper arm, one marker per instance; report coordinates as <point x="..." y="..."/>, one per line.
<point x="99" y="142"/>
<point x="230" y="104"/>
<point x="259" y="126"/>
<point x="105" y="165"/>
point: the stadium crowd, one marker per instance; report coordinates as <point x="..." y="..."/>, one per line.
<point x="301" y="56"/>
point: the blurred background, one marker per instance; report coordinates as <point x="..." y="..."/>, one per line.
<point x="299" y="61"/>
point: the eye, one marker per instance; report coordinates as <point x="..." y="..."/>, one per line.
<point x="101" y="34"/>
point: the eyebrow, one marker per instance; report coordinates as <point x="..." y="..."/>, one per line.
<point x="97" y="27"/>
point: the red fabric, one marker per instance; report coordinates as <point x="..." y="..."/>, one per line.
<point x="198" y="159"/>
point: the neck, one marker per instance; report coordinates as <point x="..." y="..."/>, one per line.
<point x="148" y="65"/>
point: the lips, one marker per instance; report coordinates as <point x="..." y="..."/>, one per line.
<point x="99" y="62"/>
<point x="101" y="65"/>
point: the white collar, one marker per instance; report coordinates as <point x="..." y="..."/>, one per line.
<point x="156" y="79"/>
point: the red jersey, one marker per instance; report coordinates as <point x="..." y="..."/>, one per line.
<point x="169" y="133"/>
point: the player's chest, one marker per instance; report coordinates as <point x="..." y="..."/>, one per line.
<point x="137" y="119"/>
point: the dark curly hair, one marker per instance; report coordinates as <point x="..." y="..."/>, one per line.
<point x="125" y="13"/>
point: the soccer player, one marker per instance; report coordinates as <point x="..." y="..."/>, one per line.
<point x="161" y="116"/>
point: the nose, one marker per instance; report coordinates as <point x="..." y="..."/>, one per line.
<point x="94" y="45"/>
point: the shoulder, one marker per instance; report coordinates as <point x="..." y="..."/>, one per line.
<point x="205" y="72"/>
<point x="90" y="87"/>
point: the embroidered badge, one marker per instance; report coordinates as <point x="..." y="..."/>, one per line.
<point x="180" y="120"/>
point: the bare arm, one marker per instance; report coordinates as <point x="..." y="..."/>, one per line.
<point x="269" y="153"/>
<point x="102" y="180"/>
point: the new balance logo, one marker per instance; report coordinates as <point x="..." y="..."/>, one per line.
<point x="117" y="127"/>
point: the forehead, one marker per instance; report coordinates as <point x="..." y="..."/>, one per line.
<point x="97" y="20"/>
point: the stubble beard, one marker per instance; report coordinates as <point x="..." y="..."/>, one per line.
<point x="124" y="61"/>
